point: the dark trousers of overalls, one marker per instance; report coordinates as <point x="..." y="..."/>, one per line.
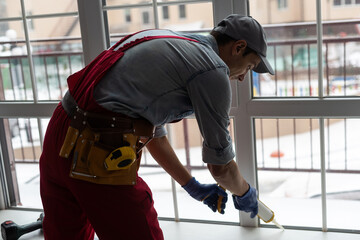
<point x="75" y="208"/>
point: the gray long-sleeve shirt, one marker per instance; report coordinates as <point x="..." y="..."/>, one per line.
<point x="167" y="79"/>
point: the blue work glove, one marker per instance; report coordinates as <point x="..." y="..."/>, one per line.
<point x="247" y="202"/>
<point x="209" y="194"/>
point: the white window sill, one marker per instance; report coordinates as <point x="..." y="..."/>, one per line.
<point x="186" y="230"/>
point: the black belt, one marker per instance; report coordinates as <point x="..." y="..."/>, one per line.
<point x="116" y="122"/>
<point x="79" y="117"/>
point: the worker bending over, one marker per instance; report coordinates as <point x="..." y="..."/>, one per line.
<point x="119" y="104"/>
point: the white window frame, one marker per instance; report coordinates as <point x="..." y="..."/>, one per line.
<point x="244" y="108"/>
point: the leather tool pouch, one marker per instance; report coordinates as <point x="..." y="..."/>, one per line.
<point x="90" y="152"/>
<point x="92" y="138"/>
<point x="91" y="146"/>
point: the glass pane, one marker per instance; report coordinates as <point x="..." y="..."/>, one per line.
<point x="190" y="17"/>
<point x="11" y="34"/>
<point x="341" y="57"/>
<point x="291" y="51"/>
<point x="288" y="159"/>
<point x="10" y="9"/>
<point x="160" y="184"/>
<point x="343" y="173"/>
<point x="57" y="53"/>
<point x="26" y="150"/>
<point x="54" y="27"/>
<point x="187" y="142"/>
<point x="34" y="7"/>
<point x="15" y="82"/>
<point x="129" y="20"/>
<point x="52" y="71"/>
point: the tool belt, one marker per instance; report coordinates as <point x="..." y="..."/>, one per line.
<point x="105" y="149"/>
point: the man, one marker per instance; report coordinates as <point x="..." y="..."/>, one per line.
<point x="110" y="112"/>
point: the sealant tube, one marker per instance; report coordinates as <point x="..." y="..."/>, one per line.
<point x="267" y="215"/>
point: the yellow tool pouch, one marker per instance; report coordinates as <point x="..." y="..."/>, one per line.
<point x="89" y="156"/>
<point x="105" y="149"/>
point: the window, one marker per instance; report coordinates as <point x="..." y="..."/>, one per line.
<point x="146" y="17"/>
<point x="318" y="149"/>
<point x="345" y="2"/>
<point x="165" y="10"/>
<point x="292" y="145"/>
<point x="282" y="4"/>
<point x="287" y="128"/>
<point x="127" y="15"/>
<point x="182" y="11"/>
<point x="33" y="69"/>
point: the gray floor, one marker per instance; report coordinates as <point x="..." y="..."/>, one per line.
<point x="194" y="231"/>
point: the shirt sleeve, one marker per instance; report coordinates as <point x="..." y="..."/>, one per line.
<point x="210" y="93"/>
<point x="160" y="131"/>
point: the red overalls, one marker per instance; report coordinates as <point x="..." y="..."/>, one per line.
<point x="75" y="208"/>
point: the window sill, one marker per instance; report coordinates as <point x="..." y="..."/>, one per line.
<point x="187" y="230"/>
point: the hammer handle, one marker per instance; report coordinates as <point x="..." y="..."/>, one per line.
<point x="30" y="227"/>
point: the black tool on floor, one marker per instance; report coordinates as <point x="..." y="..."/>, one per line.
<point x="12" y="231"/>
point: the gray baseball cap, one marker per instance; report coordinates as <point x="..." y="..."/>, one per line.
<point x="246" y="28"/>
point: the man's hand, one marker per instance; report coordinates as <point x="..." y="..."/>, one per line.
<point x="248" y="202"/>
<point x="207" y="193"/>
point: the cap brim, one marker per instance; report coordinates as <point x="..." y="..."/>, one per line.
<point x="264" y="66"/>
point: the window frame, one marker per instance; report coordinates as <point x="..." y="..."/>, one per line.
<point x="244" y="109"/>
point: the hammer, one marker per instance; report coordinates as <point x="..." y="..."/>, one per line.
<point x="12" y="231"/>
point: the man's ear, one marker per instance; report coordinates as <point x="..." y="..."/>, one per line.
<point x="238" y="47"/>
